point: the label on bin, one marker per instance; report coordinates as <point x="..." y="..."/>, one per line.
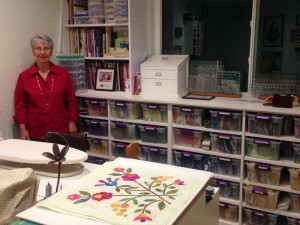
<point x="224" y="159"/>
<point x="93" y="102"/>
<point x="259" y="213"/>
<point x="121" y="104"/>
<point x="121" y="145"/>
<point x="152" y="106"/>
<point x="186" y="109"/>
<point x="95" y="141"/>
<point x="223" y="136"/>
<point x="187" y="154"/>
<point x="186" y="132"/>
<point x="223" y="205"/>
<point x="262" y="166"/>
<point x="150" y="127"/>
<point x="225" y="113"/>
<point x="223" y="182"/>
<point x="261" y="141"/>
<point x="121" y="125"/>
<point x="261" y="191"/>
<point x="263" y="116"/>
<point x="153" y="149"/>
<point x="93" y="121"/>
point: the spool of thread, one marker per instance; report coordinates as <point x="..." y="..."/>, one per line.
<point x="48" y="192"/>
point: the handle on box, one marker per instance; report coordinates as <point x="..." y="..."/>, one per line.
<point x="158" y="74"/>
<point x="158" y="83"/>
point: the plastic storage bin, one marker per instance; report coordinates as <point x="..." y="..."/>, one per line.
<point x="98" y="146"/>
<point x="296" y="152"/>
<point x="263" y="148"/>
<point x="125" y="110"/>
<point x="88" y="19"/>
<point x="122" y="130"/>
<point x="261" y="197"/>
<point x="97" y="127"/>
<point x="155" y="154"/>
<point x="228" y="189"/>
<point x="155" y="112"/>
<point x="295" y="178"/>
<point x="153" y="134"/>
<point x="188" y="115"/>
<point x="189" y="159"/>
<point x="118" y="149"/>
<point x="76" y="68"/>
<point x="293" y="221"/>
<point x="297" y="127"/>
<point x="256" y="217"/>
<point x="96" y="8"/>
<point x="226" y="120"/>
<point x="226" y="166"/>
<point x="228" y="212"/>
<point x="96" y="107"/>
<point x="96" y="160"/>
<point x="188" y="138"/>
<point x="295" y="203"/>
<point x="265" y="124"/>
<point x="121" y="11"/>
<point x="225" y="143"/>
<point x="264" y="173"/>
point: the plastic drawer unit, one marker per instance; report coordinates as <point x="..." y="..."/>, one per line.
<point x="189" y="159"/>
<point x="255" y="217"/>
<point x="265" y="124"/>
<point x="125" y="110"/>
<point x="153" y="134"/>
<point x="264" y="173"/>
<point x="188" y="138"/>
<point x="97" y="127"/>
<point x="96" y="107"/>
<point x="190" y="116"/>
<point x="228" y="212"/>
<point x="225" y="166"/>
<point x="261" y="197"/>
<point x="228" y="189"/>
<point x="225" y="143"/>
<point x="226" y="120"/>
<point x="263" y="148"/>
<point x="154" y="154"/>
<point x="123" y="130"/>
<point x="155" y="112"/>
<point x="98" y="146"/>
<point x="165" y="74"/>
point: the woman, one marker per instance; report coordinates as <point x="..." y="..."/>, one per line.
<point x="44" y="95"/>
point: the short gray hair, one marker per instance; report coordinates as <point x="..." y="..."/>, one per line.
<point x="41" y="38"/>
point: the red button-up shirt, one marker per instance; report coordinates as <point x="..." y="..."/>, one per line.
<point x="31" y="108"/>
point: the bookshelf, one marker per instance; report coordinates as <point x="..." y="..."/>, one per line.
<point x="96" y="40"/>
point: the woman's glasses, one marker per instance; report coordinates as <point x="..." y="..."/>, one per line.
<point x="39" y="49"/>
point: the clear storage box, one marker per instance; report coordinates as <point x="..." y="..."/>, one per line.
<point x="153" y="134"/>
<point x="295" y="202"/>
<point x="97" y="127"/>
<point x="293" y="221"/>
<point x="228" y="189"/>
<point x="118" y="149"/>
<point x="96" y="8"/>
<point x="228" y="212"/>
<point x="189" y="159"/>
<point x="96" y="107"/>
<point x="297" y="127"/>
<point x="96" y="160"/>
<point x="123" y="130"/>
<point x="256" y="217"/>
<point x="226" y="120"/>
<point x="88" y="19"/>
<point x="155" y="112"/>
<point x="261" y="197"/>
<point x="98" y="146"/>
<point x="263" y="148"/>
<point x="295" y="178"/>
<point x="155" y="154"/>
<point x="296" y="152"/>
<point x="264" y="173"/>
<point x="265" y="124"/>
<point x="226" y="166"/>
<point x="225" y="143"/>
<point x="188" y="115"/>
<point x="125" y="110"/>
<point x="188" y="138"/>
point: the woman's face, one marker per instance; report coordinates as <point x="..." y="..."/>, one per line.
<point x="42" y="52"/>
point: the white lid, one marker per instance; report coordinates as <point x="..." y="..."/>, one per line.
<point x="165" y="61"/>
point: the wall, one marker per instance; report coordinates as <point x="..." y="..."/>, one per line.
<point x="20" y="20"/>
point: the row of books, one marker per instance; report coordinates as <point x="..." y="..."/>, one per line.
<point x="121" y="73"/>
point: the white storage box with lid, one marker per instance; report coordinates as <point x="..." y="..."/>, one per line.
<point x="165" y="74"/>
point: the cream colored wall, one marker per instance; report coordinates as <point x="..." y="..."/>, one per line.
<point x="19" y="21"/>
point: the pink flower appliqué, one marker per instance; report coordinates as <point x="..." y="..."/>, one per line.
<point x="73" y="197"/>
<point x="142" y="218"/>
<point x="101" y="196"/>
<point x="130" y="177"/>
<point x="178" y="182"/>
<point x="119" y="169"/>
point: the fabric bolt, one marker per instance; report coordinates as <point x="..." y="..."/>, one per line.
<point x="18" y="189"/>
<point x="30" y="107"/>
<point x="123" y="195"/>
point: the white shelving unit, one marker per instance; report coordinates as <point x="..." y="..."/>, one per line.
<point x="244" y="105"/>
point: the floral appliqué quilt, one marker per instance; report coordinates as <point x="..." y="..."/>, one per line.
<point x="123" y="195"/>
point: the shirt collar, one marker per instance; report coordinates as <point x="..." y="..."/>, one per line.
<point x="33" y="70"/>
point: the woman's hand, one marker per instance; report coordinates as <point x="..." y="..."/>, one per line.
<point x="72" y="127"/>
<point x="23" y="132"/>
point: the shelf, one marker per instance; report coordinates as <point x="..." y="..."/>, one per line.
<point x="229" y="201"/>
<point x="139" y="121"/>
<point x="283" y="161"/>
<point x="98" y="156"/>
<point x="226" y="177"/>
<point x="281" y="138"/>
<point x="97" y="25"/>
<point x="207" y="129"/>
<point x="225" y="222"/>
<point x="97" y="137"/>
<point x="107" y="58"/>
<point x="93" y="117"/>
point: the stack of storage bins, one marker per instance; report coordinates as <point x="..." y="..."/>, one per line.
<point x="75" y="66"/>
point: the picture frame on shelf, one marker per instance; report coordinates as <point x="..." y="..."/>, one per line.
<point x="105" y="79"/>
<point x="270" y="62"/>
<point x="297" y="20"/>
<point x="295" y="35"/>
<point x="273" y="31"/>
